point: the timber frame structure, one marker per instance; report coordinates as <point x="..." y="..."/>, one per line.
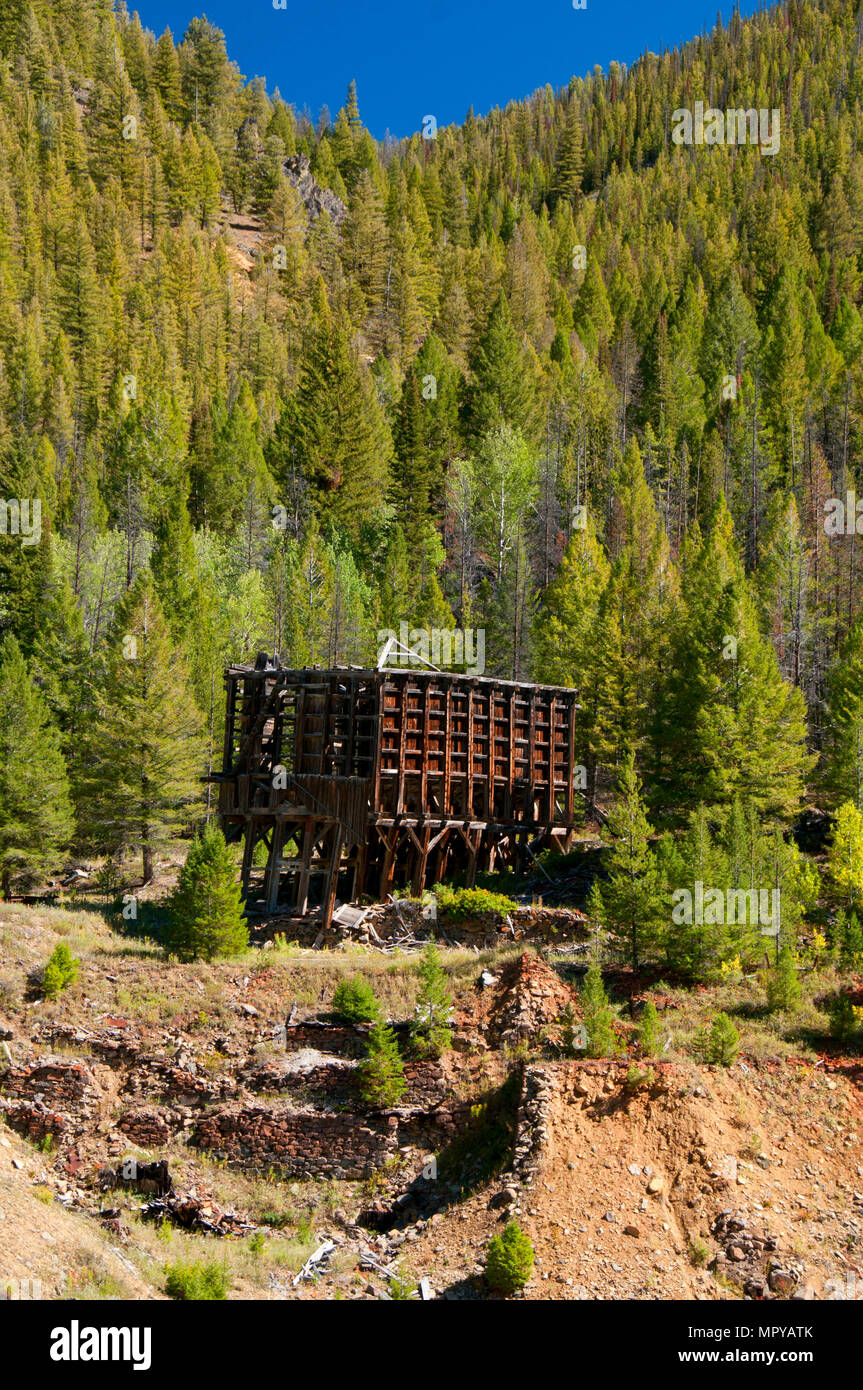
<point x="354" y="781"/>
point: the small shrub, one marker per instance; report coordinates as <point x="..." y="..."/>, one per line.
<point x="783" y="986"/>
<point x="636" y="1079"/>
<point x="401" y="1291"/>
<point x="355" y="1002"/>
<point x="201" y="1280"/>
<point x="699" y="1253"/>
<point x="721" y="1041"/>
<point x="60" y="972"/>
<point x="843" y="1021"/>
<point x="509" y="1260"/>
<point x="648" y="1030"/>
<point x="277" y="1220"/>
<point x="461" y="903"/>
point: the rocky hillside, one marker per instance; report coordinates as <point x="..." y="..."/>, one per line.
<point x="234" y="1090"/>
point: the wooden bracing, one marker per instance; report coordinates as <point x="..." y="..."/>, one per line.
<point x="350" y="781"/>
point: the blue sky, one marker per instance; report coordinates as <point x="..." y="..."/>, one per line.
<point x="413" y="58"/>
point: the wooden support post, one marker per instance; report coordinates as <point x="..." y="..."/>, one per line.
<point x="391" y="841"/>
<point x="442" y="855"/>
<point x="420" y="861"/>
<point x="308" y="845"/>
<point x="272" y="877"/>
<point x="470" y="878"/>
<point x="332" y="880"/>
<point x="359" y="885"/>
<point x="248" y="853"/>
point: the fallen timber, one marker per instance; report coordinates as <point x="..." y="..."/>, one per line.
<point x="358" y="781"/>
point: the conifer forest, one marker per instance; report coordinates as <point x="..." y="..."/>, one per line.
<point x="549" y="421"/>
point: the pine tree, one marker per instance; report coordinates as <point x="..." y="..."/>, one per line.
<point x="382" y="1071"/>
<point x="343" y="442"/>
<point x="845" y="854"/>
<point x="570" y="155"/>
<point x="597" y="1014"/>
<point x="138" y="781"/>
<point x="783" y="985"/>
<point x="501" y="386"/>
<point x="726" y="722"/>
<point x="431" y="1033"/>
<point x="648" y="1030"/>
<point x="632" y="897"/>
<point x="35" y="810"/>
<point x="842" y="770"/>
<point x="206" y="907"/>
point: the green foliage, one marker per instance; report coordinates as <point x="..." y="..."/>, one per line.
<point x="721" y="1041"/>
<point x="843" y="1020"/>
<point x="431" y="1033"/>
<point x="509" y="1260"/>
<point x="382" y="1072"/>
<point x="783" y="985"/>
<point x="597" y="1014"/>
<point x="648" y="1030"/>
<point x="845" y="854"/>
<point x="637" y="1080"/>
<point x="354" y="1000"/>
<point x="206" y="908"/>
<point x="472" y="399"/>
<point x="202" y="1280"/>
<point x="35" y="809"/>
<point x="464" y="903"/>
<point x="402" y="1290"/>
<point x="847" y="936"/>
<point x="136" y="780"/>
<point x="61" y="971"/>
<point x="632" y="899"/>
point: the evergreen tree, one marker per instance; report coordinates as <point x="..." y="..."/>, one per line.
<point x="501" y="386"/>
<point x="783" y="985"/>
<point x="842" y="769"/>
<point x="648" y="1030"/>
<point x="431" y="1033"/>
<point x="206" y="907"/>
<point x="382" y="1071"/>
<point x="568" y="166"/>
<point x="845" y="854"/>
<point x="35" y="810"/>
<point x="632" y="898"/>
<point x="138" y="780"/>
<point x="597" y="1014"/>
<point x="726" y="722"/>
<point x="343" y="443"/>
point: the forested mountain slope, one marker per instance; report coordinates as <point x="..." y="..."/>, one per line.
<point x="551" y="375"/>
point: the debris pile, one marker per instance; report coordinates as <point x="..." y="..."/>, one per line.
<point x="742" y="1258"/>
<point x="529" y="998"/>
<point x="194" y="1211"/>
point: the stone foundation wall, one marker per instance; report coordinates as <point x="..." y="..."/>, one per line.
<point x="341" y="1145"/>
